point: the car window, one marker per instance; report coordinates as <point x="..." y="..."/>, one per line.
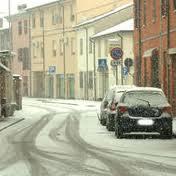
<point x="144" y="98"/>
<point x="110" y="95"/>
<point x="118" y="95"/>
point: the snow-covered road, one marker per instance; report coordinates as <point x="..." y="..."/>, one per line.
<point x="64" y="138"/>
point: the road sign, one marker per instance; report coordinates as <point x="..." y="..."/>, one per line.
<point x="116" y="53"/>
<point x="102" y="64"/>
<point x="52" y="69"/>
<point x="128" y="62"/>
<point x="115" y="63"/>
<point x="125" y="71"/>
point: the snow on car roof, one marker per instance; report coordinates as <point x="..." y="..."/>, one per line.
<point x="144" y="89"/>
<point x="123" y="87"/>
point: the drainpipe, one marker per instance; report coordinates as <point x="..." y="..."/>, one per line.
<point x="168" y="46"/>
<point x="43" y="38"/>
<point x="139" y="43"/>
<point x="87" y="62"/>
<point x="94" y="61"/>
<point x="30" y="56"/>
<point x="121" y="44"/>
<point x="161" y="45"/>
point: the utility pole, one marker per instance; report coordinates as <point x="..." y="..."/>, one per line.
<point x="43" y="38"/>
<point x="94" y="61"/>
<point x="121" y="45"/>
<point x="10" y="27"/>
<point x="87" y="65"/>
<point x="64" y="58"/>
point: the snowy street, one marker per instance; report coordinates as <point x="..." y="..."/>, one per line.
<point x="65" y="138"/>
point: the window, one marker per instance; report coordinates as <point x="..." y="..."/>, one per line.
<point x="33" y="21"/>
<point x="90" y="45"/>
<point x="90" y="80"/>
<point x="72" y="16"/>
<point x="73" y="46"/>
<point x="61" y="43"/>
<point x="154" y="11"/>
<point x="163" y="7"/>
<point x="34" y="50"/>
<point x="54" y="48"/>
<point x="20" y="28"/>
<point x="41" y="50"/>
<point x="81" y="79"/>
<point x="55" y="17"/>
<point x="37" y="48"/>
<point x="144" y="10"/>
<point x="41" y="19"/>
<point x="25" y="26"/>
<point x="174" y="2"/>
<point x="81" y="46"/>
<point x="137" y="13"/>
<point x="99" y="48"/>
<point x="106" y="47"/>
<point x="20" y="54"/>
<point x="26" y="60"/>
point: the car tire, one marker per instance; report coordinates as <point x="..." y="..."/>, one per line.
<point x="103" y="122"/>
<point x="167" y="134"/>
<point x="118" y="131"/>
<point x="109" y="125"/>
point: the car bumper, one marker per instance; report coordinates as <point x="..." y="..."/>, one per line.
<point x="131" y="125"/>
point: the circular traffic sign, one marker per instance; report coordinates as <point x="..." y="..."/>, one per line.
<point x="116" y="53"/>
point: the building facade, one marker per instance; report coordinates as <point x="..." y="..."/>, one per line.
<point x="155" y="45"/>
<point x="53" y="50"/>
<point x="20" y="38"/>
<point x="4" y="39"/>
<point x="89" y="50"/>
<point x="110" y="73"/>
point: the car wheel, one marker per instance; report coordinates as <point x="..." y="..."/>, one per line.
<point x="109" y="125"/>
<point x="167" y="134"/>
<point x="103" y="122"/>
<point x="118" y="131"/>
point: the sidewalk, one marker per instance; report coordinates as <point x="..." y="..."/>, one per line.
<point x="10" y="121"/>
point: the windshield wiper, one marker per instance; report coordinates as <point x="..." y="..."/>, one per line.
<point x="144" y="101"/>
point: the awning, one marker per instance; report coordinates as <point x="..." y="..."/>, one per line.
<point x="4" y="67"/>
<point x="172" y="51"/>
<point x="149" y="52"/>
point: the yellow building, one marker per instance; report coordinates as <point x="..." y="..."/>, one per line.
<point x="54" y="64"/>
<point x="53" y="50"/>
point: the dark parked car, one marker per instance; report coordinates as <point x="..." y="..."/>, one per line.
<point x="108" y="104"/>
<point x="143" y="110"/>
<point x="103" y="107"/>
<point x="111" y="107"/>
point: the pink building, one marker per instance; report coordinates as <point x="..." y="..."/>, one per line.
<point x="21" y="46"/>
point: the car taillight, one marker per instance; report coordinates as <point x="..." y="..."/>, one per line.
<point x="113" y="107"/>
<point x="167" y="109"/>
<point x="122" y="109"/>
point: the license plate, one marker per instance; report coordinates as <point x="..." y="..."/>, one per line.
<point x="145" y="122"/>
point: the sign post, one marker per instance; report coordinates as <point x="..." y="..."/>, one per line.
<point x="116" y="54"/>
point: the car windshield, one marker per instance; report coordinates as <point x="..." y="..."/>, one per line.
<point x="144" y="98"/>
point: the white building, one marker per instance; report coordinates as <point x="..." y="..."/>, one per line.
<point x="120" y="36"/>
<point x="88" y="52"/>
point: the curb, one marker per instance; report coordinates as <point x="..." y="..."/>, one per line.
<point x="11" y="124"/>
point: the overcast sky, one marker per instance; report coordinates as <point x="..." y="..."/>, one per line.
<point x="15" y="3"/>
